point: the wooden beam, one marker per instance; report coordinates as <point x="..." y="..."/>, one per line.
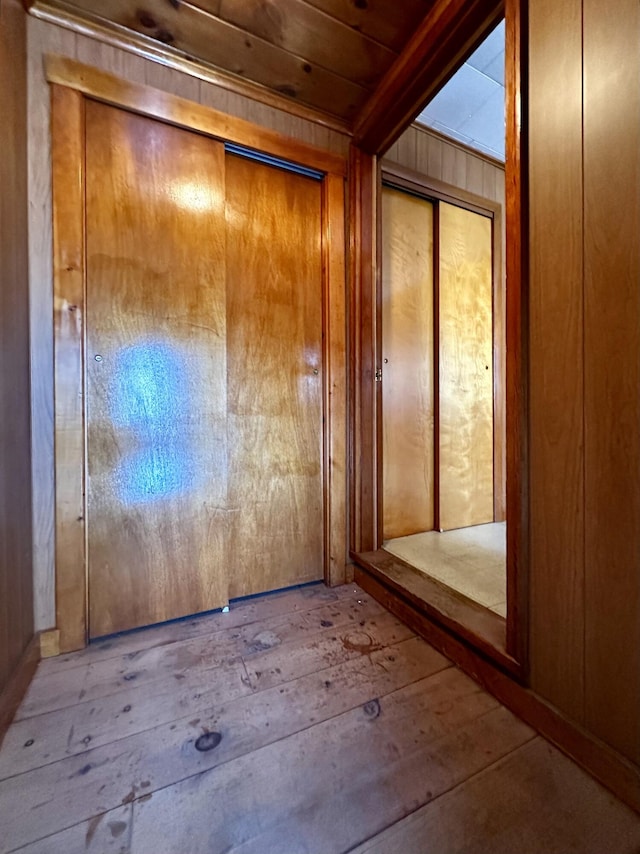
<point x="448" y="35"/>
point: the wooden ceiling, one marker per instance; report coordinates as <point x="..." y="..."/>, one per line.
<point x="329" y="55"/>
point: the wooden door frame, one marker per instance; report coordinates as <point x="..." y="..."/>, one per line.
<point x="71" y="84"/>
<point x="448" y="35"/>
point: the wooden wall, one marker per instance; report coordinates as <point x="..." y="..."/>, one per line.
<point x="16" y="590"/>
<point x="585" y="363"/>
<point x="45" y="38"/>
<point x="429" y="153"/>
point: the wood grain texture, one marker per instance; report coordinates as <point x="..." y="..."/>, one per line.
<point x="597" y="758"/>
<point x="533" y="790"/>
<point x="69" y="318"/>
<point x="555" y="425"/>
<point x="156" y="371"/>
<point x="237" y="90"/>
<point x="408" y="365"/>
<point x="214" y="42"/>
<point x="436" y="601"/>
<point x="381" y="20"/>
<point x="275" y="377"/>
<point x="384" y="720"/>
<point x="424" y="154"/>
<point x="447" y="35"/>
<point x="611" y="372"/>
<point x="513" y="184"/>
<point x="363" y="332"/>
<point x="16" y="580"/>
<point x="335" y="397"/>
<point x="41" y="312"/>
<point x="46" y="38"/>
<point x="145" y="100"/>
<point x="465" y="423"/>
<point x="301" y="29"/>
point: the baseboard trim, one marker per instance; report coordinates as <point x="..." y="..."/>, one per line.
<point x="16" y="687"/>
<point x="602" y="762"/>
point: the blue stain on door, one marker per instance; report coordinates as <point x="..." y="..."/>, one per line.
<point x="148" y="400"/>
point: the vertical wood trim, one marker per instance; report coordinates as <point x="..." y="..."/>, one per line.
<point x="362" y="283"/>
<point x="333" y="242"/>
<point x="611" y="139"/>
<point x="516" y="333"/>
<point x="69" y="276"/>
<point x="436" y="365"/>
<point x="499" y="399"/>
<point x="556" y="429"/>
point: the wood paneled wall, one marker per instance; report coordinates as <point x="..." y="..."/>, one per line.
<point x="45" y="38"/>
<point x="432" y="155"/>
<point x="585" y="363"/>
<point x="16" y="590"/>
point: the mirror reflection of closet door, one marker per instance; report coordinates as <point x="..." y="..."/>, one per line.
<point x="465" y="374"/>
<point x="408" y="365"/>
<point x="437" y="351"/>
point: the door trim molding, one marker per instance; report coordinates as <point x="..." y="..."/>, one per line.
<point x="181" y="112"/>
<point x="72" y="83"/>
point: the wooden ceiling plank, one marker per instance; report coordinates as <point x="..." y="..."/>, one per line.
<point x="138" y="44"/>
<point x="200" y="36"/>
<point x="389" y="22"/>
<point x="446" y="37"/>
<point x="305" y="31"/>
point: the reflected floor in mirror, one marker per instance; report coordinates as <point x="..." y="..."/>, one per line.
<point x="469" y="560"/>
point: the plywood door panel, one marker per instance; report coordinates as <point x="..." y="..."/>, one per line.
<point x="465" y="369"/>
<point x="408" y="372"/>
<point x="275" y="377"/>
<point x="156" y="371"/>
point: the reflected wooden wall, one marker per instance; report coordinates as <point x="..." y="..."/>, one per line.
<point x="45" y="38"/>
<point x="16" y="592"/>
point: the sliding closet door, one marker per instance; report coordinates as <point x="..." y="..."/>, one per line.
<point x="465" y="369"/>
<point x="156" y="371"/>
<point x="408" y="372"/>
<point x="275" y="377"/>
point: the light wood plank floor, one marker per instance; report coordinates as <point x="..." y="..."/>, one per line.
<point x="307" y="721"/>
<point x="472" y="561"/>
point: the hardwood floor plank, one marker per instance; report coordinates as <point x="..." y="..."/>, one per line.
<point x="108" y="833"/>
<point x="80" y="787"/>
<point x="176" y="660"/>
<point x="48" y="738"/>
<point x="535" y="801"/>
<point x="241" y="613"/>
<point x="323" y="790"/>
<point x="338" y="730"/>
